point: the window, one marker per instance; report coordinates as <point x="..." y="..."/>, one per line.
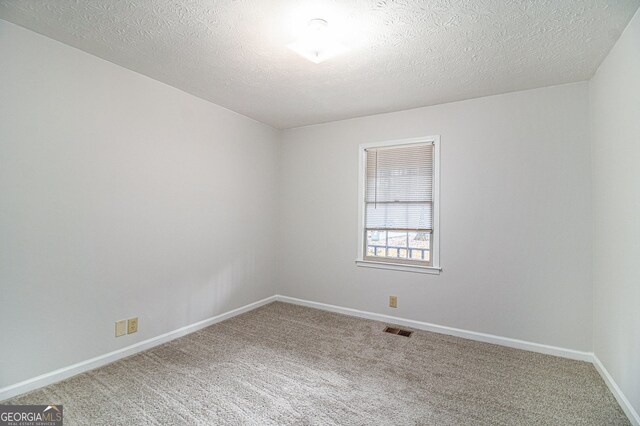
<point x="399" y="189"/>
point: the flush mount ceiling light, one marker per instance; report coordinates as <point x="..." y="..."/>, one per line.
<point x="317" y="44"/>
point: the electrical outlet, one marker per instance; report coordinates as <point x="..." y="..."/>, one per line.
<point x="132" y="325"/>
<point x="121" y="328"/>
<point x="393" y="301"/>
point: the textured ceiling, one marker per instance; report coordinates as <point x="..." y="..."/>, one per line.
<point x="403" y="53"/>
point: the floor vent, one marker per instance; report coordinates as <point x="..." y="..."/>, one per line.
<point x="398" y="331"/>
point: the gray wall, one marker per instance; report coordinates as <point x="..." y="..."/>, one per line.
<point x="515" y="217"/>
<point x="615" y="118"/>
<point x="120" y="196"/>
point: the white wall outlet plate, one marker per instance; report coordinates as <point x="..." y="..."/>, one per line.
<point x="132" y="325"/>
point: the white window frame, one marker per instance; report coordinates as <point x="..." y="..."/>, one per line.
<point x="435" y="236"/>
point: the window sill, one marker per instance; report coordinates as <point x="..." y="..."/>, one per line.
<point x="399" y="267"/>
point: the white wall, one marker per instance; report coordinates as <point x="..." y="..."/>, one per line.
<point x="515" y="217"/>
<point x="120" y="196"/>
<point x="615" y="118"/>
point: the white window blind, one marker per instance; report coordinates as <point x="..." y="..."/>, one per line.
<point x="399" y="188"/>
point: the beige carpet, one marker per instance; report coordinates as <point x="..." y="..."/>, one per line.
<point x="286" y="364"/>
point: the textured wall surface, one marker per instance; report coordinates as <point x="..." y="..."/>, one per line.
<point x="515" y="217"/>
<point x="403" y="54"/>
<point x="615" y="117"/>
<point x="120" y="196"/>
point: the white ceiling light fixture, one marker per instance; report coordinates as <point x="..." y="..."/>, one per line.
<point x="317" y="44"/>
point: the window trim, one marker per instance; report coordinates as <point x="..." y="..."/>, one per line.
<point x="435" y="236"/>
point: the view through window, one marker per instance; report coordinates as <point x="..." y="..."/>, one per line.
<point x="398" y="204"/>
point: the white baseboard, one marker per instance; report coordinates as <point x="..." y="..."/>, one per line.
<point x="487" y="338"/>
<point x="617" y="392"/>
<point x="66" y="372"/>
<point x="81" y="367"/>
<point x="471" y="335"/>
